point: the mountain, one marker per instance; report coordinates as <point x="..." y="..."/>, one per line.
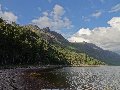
<point x="90" y="49"/>
<point x="30" y="45"/>
<point x="109" y="57"/>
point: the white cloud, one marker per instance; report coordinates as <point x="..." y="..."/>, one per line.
<point x="78" y="37"/>
<point x="45" y="13"/>
<point x="116" y="8"/>
<point x="106" y="37"/>
<point x="86" y="19"/>
<point x="97" y="14"/>
<point x="49" y="1"/>
<point x="42" y="22"/>
<point x="8" y="16"/>
<point x="58" y="10"/>
<point x="115" y="22"/>
<point x="55" y="19"/>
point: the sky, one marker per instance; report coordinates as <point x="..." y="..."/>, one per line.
<point x="93" y="21"/>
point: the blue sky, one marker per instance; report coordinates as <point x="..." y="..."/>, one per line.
<point x="78" y="11"/>
<point x="68" y="17"/>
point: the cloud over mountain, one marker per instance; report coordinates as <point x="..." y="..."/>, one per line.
<point x="8" y="16"/>
<point x="54" y="19"/>
<point x="106" y="37"/>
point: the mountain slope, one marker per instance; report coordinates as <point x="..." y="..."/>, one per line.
<point x="90" y="49"/>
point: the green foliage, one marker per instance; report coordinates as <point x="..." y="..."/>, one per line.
<point x="20" y="46"/>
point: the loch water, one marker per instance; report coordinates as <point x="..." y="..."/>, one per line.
<point x="67" y="78"/>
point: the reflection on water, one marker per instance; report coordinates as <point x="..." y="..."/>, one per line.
<point x="68" y="78"/>
<point x="94" y="78"/>
<point x="48" y="80"/>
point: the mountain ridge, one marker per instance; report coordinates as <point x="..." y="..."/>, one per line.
<point x="109" y="57"/>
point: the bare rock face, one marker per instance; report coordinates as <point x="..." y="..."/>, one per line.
<point x="47" y="34"/>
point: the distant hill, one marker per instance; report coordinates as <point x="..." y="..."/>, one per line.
<point x="92" y="50"/>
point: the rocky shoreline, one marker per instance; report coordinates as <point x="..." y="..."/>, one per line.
<point x="21" y="78"/>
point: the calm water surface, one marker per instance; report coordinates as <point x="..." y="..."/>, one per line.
<point x="68" y="78"/>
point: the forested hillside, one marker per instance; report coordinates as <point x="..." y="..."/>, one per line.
<point x="26" y="45"/>
<point x="90" y="49"/>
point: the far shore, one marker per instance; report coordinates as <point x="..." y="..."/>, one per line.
<point x="45" y="66"/>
